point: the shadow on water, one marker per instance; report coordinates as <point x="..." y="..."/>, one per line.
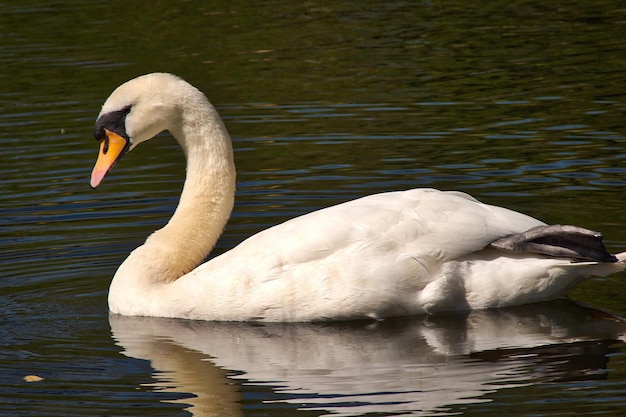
<point x="419" y="366"/>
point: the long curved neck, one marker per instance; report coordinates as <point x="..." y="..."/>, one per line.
<point x="206" y="201"/>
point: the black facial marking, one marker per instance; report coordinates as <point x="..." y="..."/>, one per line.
<point x="114" y="121"/>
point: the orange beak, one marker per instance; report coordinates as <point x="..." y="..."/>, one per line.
<point x="112" y="148"/>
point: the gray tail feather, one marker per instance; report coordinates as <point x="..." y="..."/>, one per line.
<point x="560" y="241"/>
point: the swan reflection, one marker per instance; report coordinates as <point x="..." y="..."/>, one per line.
<point x="414" y="366"/>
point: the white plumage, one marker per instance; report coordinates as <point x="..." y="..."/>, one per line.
<point x="398" y="253"/>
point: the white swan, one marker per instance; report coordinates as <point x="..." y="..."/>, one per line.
<point x="398" y="253"/>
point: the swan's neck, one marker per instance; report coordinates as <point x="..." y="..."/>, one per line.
<point x="205" y="203"/>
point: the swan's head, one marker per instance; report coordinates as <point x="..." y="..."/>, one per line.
<point x="135" y="112"/>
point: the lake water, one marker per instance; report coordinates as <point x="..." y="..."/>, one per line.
<point x="521" y="104"/>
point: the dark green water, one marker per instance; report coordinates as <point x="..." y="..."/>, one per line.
<point x="521" y="104"/>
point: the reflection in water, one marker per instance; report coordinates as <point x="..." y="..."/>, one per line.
<point x="420" y="365"/>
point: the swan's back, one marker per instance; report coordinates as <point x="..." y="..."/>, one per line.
<point x="423" y="222"/>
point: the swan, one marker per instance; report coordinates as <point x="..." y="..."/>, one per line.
<point x="398" y="253"/>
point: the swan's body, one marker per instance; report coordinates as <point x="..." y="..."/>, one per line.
<point x="398" y="253"/>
